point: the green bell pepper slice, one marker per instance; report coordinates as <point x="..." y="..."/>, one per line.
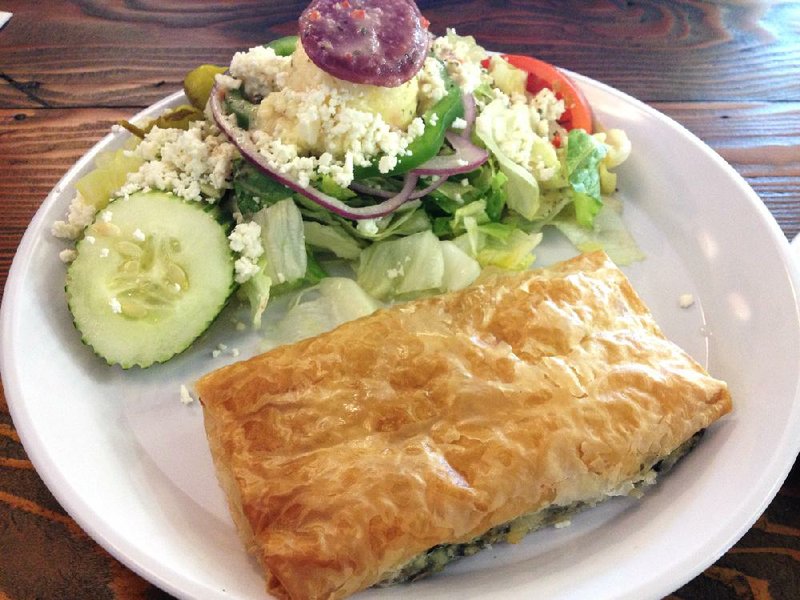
<point x="284" y="46"/>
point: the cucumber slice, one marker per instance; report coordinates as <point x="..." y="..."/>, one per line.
<point x="151" y="274"/>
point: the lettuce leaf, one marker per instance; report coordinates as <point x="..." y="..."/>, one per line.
<point x="320" y="308"/>
<point x="582" y="163"/>
<point x="460" y="269"/>
<point x="402" y="267"/>
<point x="609" y="233"/>
<point x="332" y="238"/>
<point x="283" y="238"/>
<point x="256" y="291"/>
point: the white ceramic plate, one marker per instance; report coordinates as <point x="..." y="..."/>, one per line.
<point x="129" y="462"/>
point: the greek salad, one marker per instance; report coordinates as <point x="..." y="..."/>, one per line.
<point x="365" y="145"/>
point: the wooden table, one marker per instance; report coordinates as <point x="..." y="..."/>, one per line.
<point x="728" y="71"/>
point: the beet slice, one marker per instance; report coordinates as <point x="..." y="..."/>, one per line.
<point x="380" y="42"/>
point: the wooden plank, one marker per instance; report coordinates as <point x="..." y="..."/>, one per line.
<point x="761" y="141"/>
<point x="130" y="54"/>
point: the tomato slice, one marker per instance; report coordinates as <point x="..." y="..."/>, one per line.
<point x="578" y="113"/>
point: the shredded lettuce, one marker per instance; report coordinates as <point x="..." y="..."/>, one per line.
<point x="256" y="291"/>
<point x="415" y="265"/>
<point x="513" y="253"/>
<point x="582" y="161"/>
<point x="407" y="220"/>
<point x="460" y="269"/>
<point x="522" y="190"/>
<point x="283" y="238"/>
<point x="332" y="238"/>
<point x="609" y="233"/>
<point x="325" y="306"/>
<point x="405" y="266"/>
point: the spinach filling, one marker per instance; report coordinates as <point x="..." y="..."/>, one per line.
<point x="436" y="558"/>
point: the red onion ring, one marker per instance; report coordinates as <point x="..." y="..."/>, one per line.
<point x="373" y="191"/>
<point x="470" y="111"/>
<point x="249" y="152"/>
<point x="467" y="157"/>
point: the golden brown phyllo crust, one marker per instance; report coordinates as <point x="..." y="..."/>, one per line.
<point x="346" y="455"/>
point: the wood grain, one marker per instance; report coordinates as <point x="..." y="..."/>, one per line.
<point x="729" y="71"/>
<point x="95" y="53"/>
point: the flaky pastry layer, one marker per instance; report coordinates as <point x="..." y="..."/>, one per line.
<point x="346" y="455"/>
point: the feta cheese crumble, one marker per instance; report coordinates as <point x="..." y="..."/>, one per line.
<point x="67" y="255"/>
<point x="462" y="57"/>
<point x="186" y="397"/>
<point x="245" y="240"/>
<point x="79" y="216"/>
<point x="223" y="349"/>
<point x="194" y="164"/>
<point x="260" y="69"/>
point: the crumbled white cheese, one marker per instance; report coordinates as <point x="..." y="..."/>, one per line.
<point x="223" y="349"/>
<point x="462" y="57"/>
<point x="387" y="163"/>
<point x="67" y="255"/>
<point x="395" y="272"/>
<point x="186" y="397"/>
<point x="138" y="235"/>
<point x="227" y="82"/>
<point x="367" y="226"/>
<point x="115" y="305"/>
<point x="79" y="216"/>
<point x="245" y="239"/>
<point x="302" y="133"/>
<point x="549" y="109"/>
<point x="106" y="216"/>
<point x="261" y="70"/>
<point x="90" y="239"/>
<point x="431" y="84"/>
<point x="686" y="300"/>
<point x="459" y="123"/>
<point x="104" y="252"/>
<point x="194" y="164"/>
<point x="522" y="132"/>
<point x="244" y="269"/>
